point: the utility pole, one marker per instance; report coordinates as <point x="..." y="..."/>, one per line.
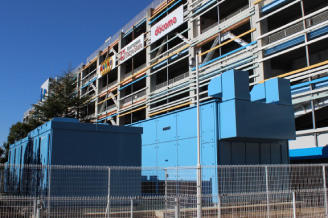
<point x="199" y="168"/>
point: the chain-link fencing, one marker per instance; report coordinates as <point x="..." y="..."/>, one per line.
<point x="101" y="191"/>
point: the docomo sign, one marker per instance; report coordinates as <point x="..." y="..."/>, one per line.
<point x="132" y="48"/>
<point x="166" y="25"/>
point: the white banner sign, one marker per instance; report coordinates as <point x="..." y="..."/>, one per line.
<point x="132" y="49"/>
<point x="167" y="24"/>
<point x="106" y="66"/>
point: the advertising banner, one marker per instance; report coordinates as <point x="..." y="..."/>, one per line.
<point x="167" y="24"/>
<point x="108" y="65"/>
<point x="132" y="49"/>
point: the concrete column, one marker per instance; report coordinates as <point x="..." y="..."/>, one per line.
<point x="261" y="27"/>
<point x="97" y="86"/>
<point x="194" y="31"/>
<point x="119" y="77"/>
<point x="149" y="83"/>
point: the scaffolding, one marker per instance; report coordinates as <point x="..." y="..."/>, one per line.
<point x="150" y="72"/>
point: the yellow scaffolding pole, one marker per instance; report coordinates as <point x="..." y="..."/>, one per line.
<point x="227" y="42"/>
<point x="170" y="109"/>
<point x="257" y="1"/>
<point x="157" y="12"/>
<point x="130" y="112"/>
<point x="107" y="99"/>
<point x="298" y="71"/>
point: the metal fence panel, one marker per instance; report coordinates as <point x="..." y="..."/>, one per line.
<point x="101" y="191"/>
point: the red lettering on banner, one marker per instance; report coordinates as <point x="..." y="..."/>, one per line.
<point x="122" y="55"/>
<point x="162" y="27"/>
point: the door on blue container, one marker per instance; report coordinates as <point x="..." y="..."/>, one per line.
<point x="167" y="158"/>
<point x="187" y="124"/>
<point x="44" y="161"/>
<point x="18" y="168"/>
<point x="167" y="154"/>
<point x="209" y="172"/>
<point x="9" y="179"/>
<point x="11" y="171"/>
<point x="27" y="168"/>
<point x="150" y="170"/>
<point x="36" y="169"/>
<point x="149" y="156"/>
<point x="208" y="122"/>
<point x="187" y="152"/>
<point x="149" y="134"/>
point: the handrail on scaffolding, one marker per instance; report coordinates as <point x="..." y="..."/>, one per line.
<point x="298" y="71"/>
<point x="227" y="42"/>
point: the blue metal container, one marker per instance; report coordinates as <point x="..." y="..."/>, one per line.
<point x="67" y="142"/>
<point x="238" y="127"/>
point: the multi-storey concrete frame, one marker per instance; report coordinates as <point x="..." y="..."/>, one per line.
<point x="270" y="38"/>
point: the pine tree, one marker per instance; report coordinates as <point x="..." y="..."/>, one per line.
<point x="17" y="131"/>
<point x="62" y="100"/>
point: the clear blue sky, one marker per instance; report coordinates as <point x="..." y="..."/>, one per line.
<point x="40" y="39"/>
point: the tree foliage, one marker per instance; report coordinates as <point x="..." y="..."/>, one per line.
<point x="4" y="152"/>
<point x="62" y="100"/>
<point x="17" y="131"/>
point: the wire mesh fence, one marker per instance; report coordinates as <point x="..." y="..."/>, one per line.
<point x="101" y="191"/>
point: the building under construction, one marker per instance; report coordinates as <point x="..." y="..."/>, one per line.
<point x="148" y="67"/>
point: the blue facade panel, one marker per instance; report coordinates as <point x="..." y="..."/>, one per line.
<point x="318" y="32"/>
<point x="274" y="4"/>
<point x="309" y="153"/>
<point x="298" y="40"/>
<point x="285" y="45"/>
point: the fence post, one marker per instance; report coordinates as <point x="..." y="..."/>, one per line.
<point x="131" y="208"/>
<point x="177" y="208"/>
<point x="325" y="188"/>
<point x="219" y="206"/>
<point x="36" y="208"/>
<point x="267" y="190"/>
<point x="294" y="205"/>
<point x="108" y="195"/>
<point x="49" y="190"/>
<point x="165" y="189"/>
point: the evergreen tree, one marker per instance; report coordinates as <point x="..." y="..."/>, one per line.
<point x="62" y="100"/>
<point x="17" y="131"/>
<point x="4" y="152"/>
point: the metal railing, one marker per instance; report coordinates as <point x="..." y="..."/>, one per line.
<point x="298" y="27"/>
<point x="108" y="86"/>
<point x="101" y="191"/>
<point x="133" y="97"/>
<point x="178" y="78"/>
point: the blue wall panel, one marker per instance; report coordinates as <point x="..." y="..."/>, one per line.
<point x="208" y="126"/>
<point x="150" y="152"/>
<point x="186" y="118"/>
<point x="180" y="128"/>
<point x="167" y="154"/>
<point x="150" y="136"/>
<point x="167" y="129"/>
<point x="187" y="152"/>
